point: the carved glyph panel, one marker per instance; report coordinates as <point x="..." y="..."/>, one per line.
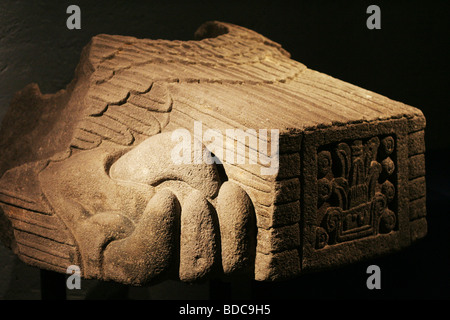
<point x="356" y="188"/>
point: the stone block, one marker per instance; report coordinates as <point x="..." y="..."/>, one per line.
<point x="207" y="158"/>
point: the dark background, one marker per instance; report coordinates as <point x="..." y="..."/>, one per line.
<point x="406" y="61"/>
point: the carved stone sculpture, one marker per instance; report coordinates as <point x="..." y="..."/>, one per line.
<point x="88" y="175"/>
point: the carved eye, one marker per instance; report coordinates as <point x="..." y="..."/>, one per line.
<point x="388" y="166"/>
<point x="321" y="238"/>
<point x="388" y="190"/>
<point x="324" y="162"/>
<point x="324" y="189"/>
<point x="333" y="218"/>
<point x="388" y="145"/>
<point x="380" y="203"/>
<point x="387" y="221"/>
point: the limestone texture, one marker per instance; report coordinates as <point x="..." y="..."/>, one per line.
<point x="88" y="175"/>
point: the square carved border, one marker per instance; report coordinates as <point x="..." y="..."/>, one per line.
<point x="349" y="211"/>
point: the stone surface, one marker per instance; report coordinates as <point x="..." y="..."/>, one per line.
<point x="236" y="220"/>
<point x="88" y="177"/>
<point x="198" y="243"/>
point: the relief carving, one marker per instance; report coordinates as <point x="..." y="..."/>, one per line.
<point x="87" y="177"/>
<point x="356" y="190"/>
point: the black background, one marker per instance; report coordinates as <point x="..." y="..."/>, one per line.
<point x="406" y="61"/>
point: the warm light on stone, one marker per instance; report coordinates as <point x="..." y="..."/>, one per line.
<point x="88" y="176"/>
